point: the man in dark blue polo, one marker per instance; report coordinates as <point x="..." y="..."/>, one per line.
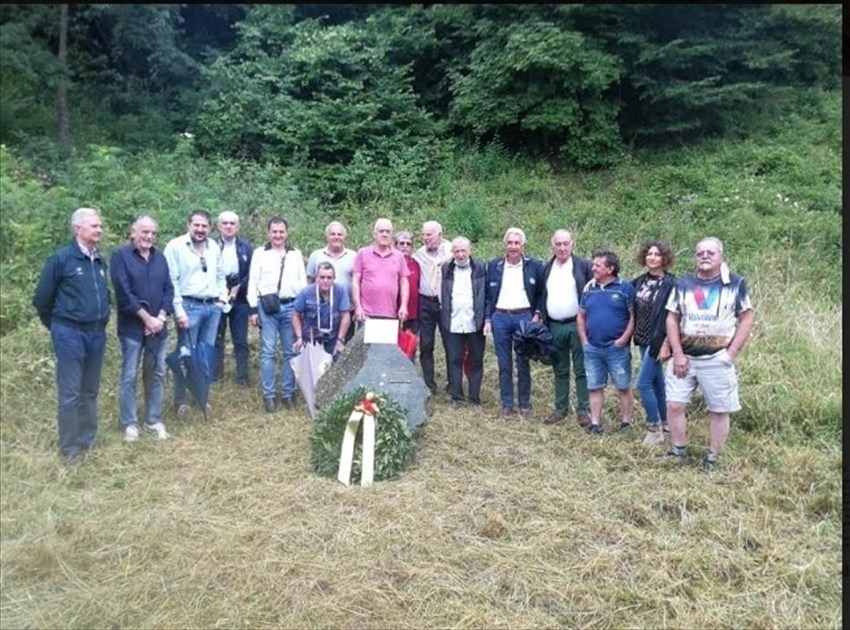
<point x="144" y="297"/>
<point x="236" y="255"/>
<point x="606" y="321"/>
<point x="512" y="296"/>
<point x="72" y="301"/>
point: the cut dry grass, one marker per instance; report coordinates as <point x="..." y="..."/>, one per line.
<point x="495" y="525"/>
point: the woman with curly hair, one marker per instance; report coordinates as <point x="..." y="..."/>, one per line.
<point x="652" y="288"/>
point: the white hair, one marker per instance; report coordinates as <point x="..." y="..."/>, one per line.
<point x="228" y="215"/>
<point x="79" y="214"/>
<point x="517" y="232"/>
<point x="433" y="225"/>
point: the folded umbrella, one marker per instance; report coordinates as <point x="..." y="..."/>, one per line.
<point x="309" y="365"/>
<point x="194" y="365"/>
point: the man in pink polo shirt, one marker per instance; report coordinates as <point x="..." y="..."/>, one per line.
<point x="379" y="277"/>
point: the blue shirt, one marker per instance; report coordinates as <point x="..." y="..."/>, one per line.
<point x="607" y="310"/>
<point x="318" y="319"/>
<point x="139" y="283"/>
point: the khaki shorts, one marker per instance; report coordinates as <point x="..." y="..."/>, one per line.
<point x="714" y="374"/>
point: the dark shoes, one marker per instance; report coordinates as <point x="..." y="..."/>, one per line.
<point x="270" y="405"/>
<point x="674" y="456"/>
<point x="74" y="458"/>
<point x="555" y="418"/>
<point x="583" y="420"/>
<point x="525" y="413"/>
<point x="624" y="426"/>
<point x="595" y="429"/>
<point x="287" y="403"/>
<point x="505" y="413"/>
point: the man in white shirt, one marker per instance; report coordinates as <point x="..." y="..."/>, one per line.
<point x="463" y="292"/>
<point x="564" y="277"/>
<point x="236" y="255"/>
<point x="197" y="273"/>
<point x="513" y="296"/>
<point x="336" y="253"/>
<point x="277" y="269"/>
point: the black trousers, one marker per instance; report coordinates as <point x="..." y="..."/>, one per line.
<point x="473" y="344"/>
<point x="429" y="322"/>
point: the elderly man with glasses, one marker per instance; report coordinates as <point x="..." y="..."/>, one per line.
<point x="709" y="320"/>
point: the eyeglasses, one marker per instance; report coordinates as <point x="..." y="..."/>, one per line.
<point x="203" y="264"/>
<point x="404" y="243"/>
<point x="706" y="253"/>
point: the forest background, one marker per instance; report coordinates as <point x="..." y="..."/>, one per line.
<point x="619" y="122"/>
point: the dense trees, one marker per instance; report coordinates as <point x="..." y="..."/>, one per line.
<point x="338" y="90"/>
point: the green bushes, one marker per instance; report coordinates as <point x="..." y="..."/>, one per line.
<point x="772" y="198"/>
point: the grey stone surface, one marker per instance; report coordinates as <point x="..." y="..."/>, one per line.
<point x="379" y="367"/>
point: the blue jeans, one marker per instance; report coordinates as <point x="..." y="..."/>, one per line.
<point x="150" y="351"/>
<point x="79" y="359"/>
<point x="238" y="318"/>
<point x="650" y="387"/>
<point x="273" y="328"/>
<point x="503" y="326"/>
<point x="203" y="326"/>
<point x="600" y="362"/>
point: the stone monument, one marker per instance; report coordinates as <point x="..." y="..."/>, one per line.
<point x="380" y="367"/>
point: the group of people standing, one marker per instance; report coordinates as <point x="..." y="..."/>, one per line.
<point x="209" y="284"/>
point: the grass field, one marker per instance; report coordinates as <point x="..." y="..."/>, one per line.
<point x="495" y="525"/>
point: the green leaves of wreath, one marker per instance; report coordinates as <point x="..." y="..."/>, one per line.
<point x="394" y="441"/>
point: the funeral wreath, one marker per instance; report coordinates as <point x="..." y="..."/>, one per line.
<point x="394" y="440"/>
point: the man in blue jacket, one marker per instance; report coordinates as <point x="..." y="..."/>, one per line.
<point x="236" y="255"/>
<point x="72" y="301"/>
<point x="144" y="297"/>
<point x="512" y="296"/>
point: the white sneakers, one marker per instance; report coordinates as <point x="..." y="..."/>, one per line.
<point x="131" y="433"/>
<point x="653" y="438"/>
<point x="159" y="429"/>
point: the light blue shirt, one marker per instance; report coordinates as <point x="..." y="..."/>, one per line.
<point x="187" y="274"/>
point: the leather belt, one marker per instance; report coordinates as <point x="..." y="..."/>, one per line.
<point x="432" y="298"/>
<point x="568" y="320"/>
<point x="198" y="300"/>
<point x="513" y="311"/>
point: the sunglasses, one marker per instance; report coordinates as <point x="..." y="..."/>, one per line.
<point x="203" y="264"/>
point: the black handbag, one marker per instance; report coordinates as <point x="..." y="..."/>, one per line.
<point x="271" y="301"/>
